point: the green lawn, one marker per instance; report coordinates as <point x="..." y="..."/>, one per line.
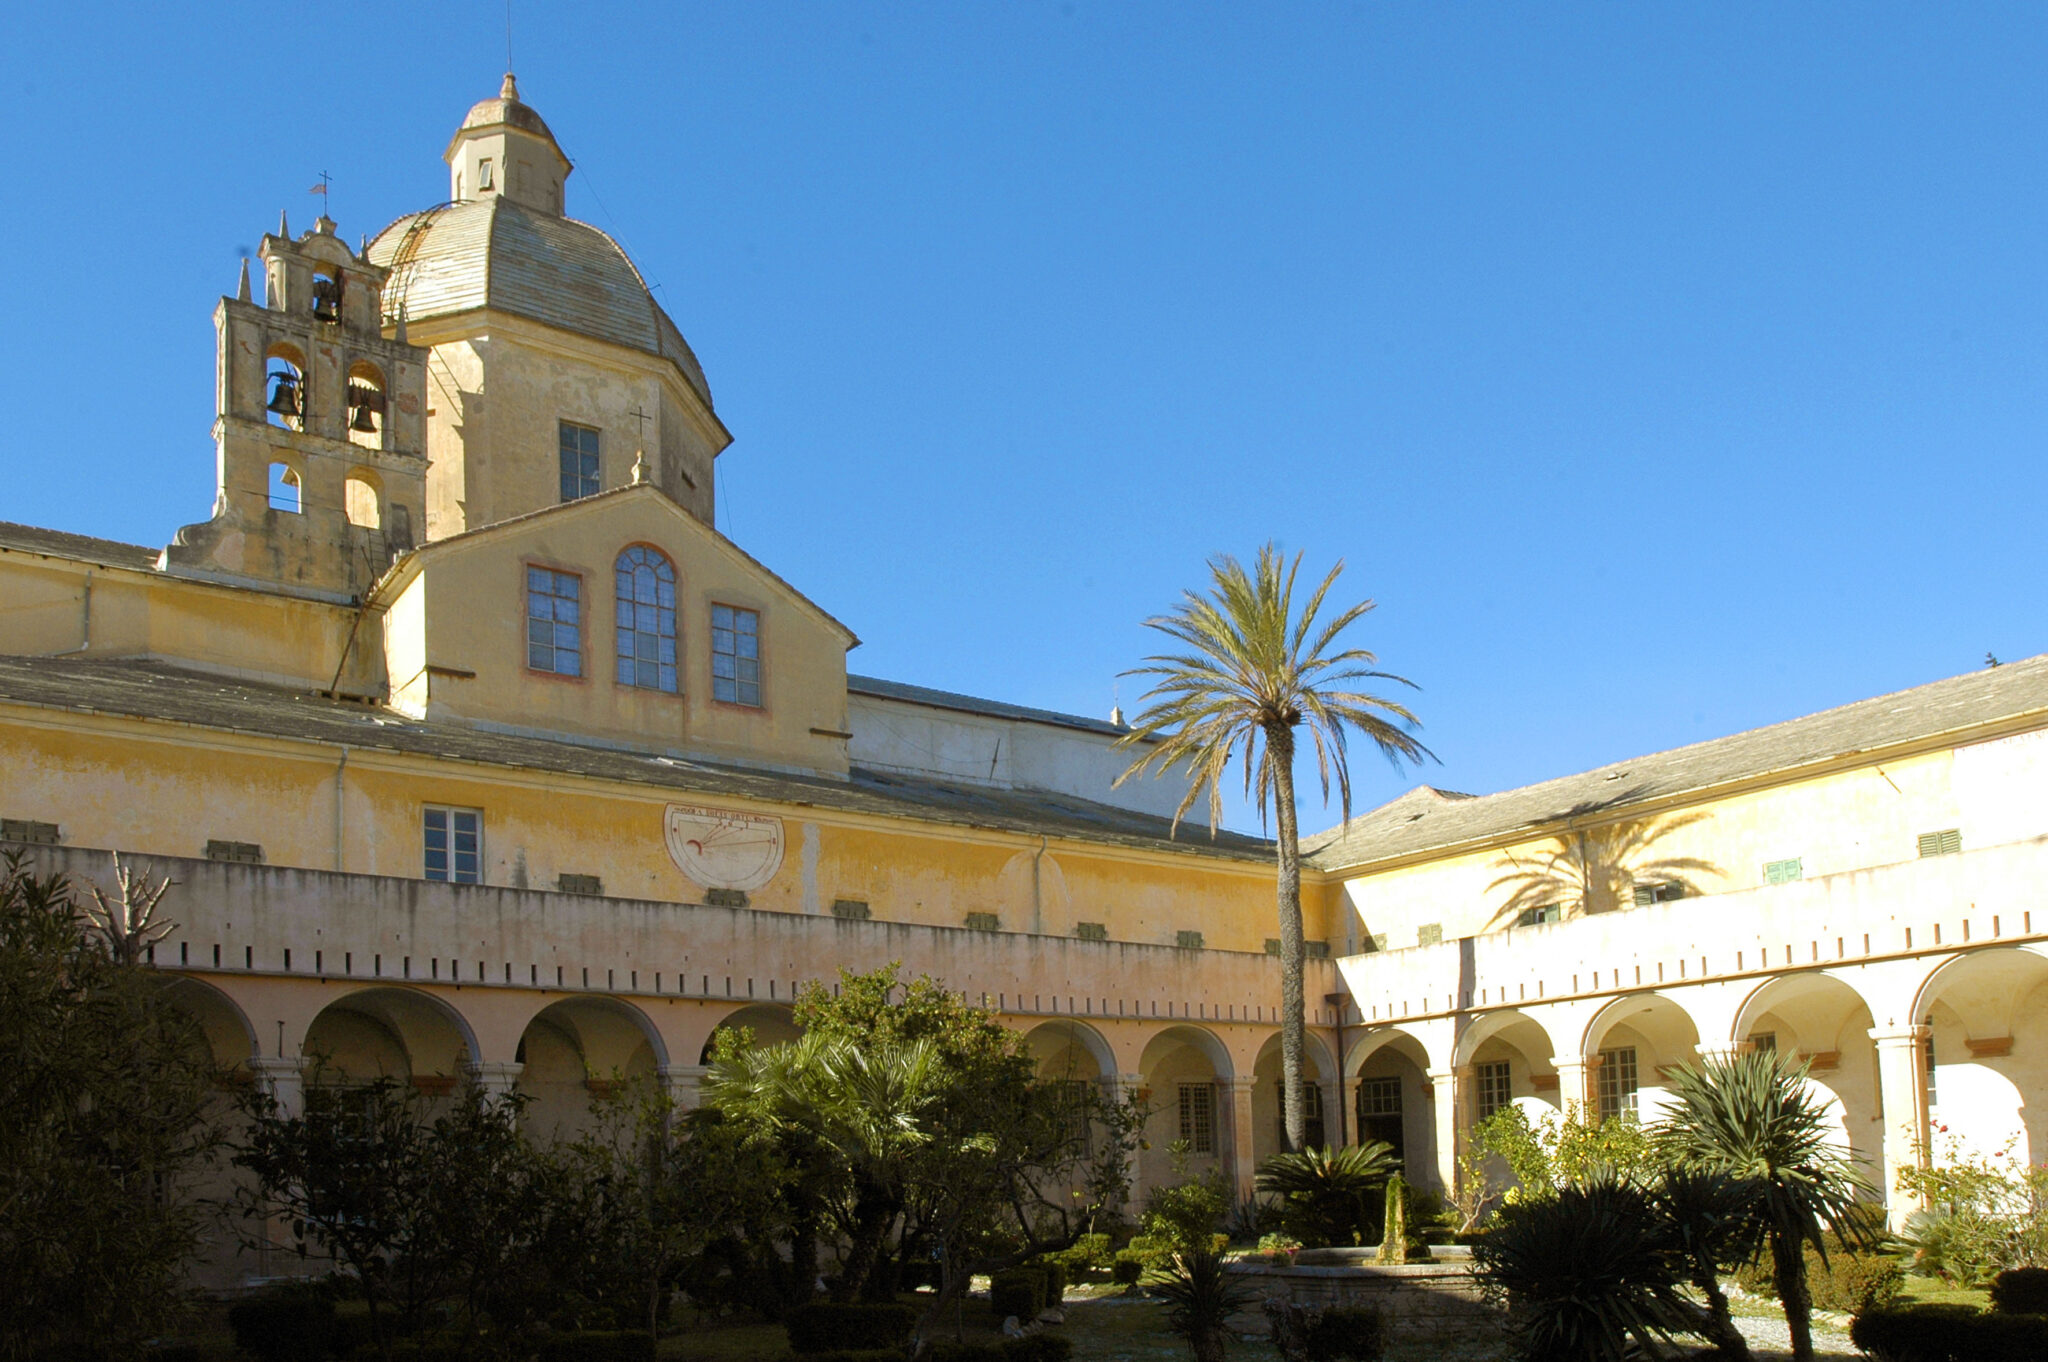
<point x="1934" y="1291"/>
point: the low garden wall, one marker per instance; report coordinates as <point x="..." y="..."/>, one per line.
<point x="1429" y="1307"/>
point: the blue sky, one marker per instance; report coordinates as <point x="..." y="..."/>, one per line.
<point x="1662" y="371"/>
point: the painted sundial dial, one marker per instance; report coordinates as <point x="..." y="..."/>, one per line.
<point x="722" y="848"/>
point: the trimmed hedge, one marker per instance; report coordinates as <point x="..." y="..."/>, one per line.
<point x="1854" y="1283"/>
<point x="598" y="1345"/>
<point x="1055" y="1273"/>
<point x="2020" y="1291"/>
<point x="1019" y="1292"/>
<point x="1127" y="1269"/>
<point x="830" y="1328"/>
<point x="1950" y="1333"/>
<point x="858" y="1355"/>
<point x="1347" y="1334"/>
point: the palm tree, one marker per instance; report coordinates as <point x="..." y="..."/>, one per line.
<point x="1326" y="1195"/>
<point x="1755" y="1119"/>
<point x="1253" y="672"/>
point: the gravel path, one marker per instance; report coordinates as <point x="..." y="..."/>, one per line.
<point x="1770" y="1338"/>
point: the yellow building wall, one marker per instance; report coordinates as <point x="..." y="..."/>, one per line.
<point x="164" y="790"/>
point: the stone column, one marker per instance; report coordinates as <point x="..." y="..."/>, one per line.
<point x="284" y="1082"/>
<point x="1574" y="1082"/>
<point x="494" y="1081"/>
<point x="1444" y="1094"/>
<point x="684" y="1083"/>
<point x="1902" y="1097"/>
<point x="1239" y="1115"/>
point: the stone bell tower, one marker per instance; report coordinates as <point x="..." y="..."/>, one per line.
<point x="319" y="427"/>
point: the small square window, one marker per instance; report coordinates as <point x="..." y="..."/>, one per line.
<point x="1092" y="931"/>
<point x="579" y="461"/>
<point x="1188" y="941"/>
<point x="554" y="621"/>
<point x="454" y="844"/>
<point x="1429" y="934"/>
<point x="736" y="655"/>
<point x="1784" y="872"/>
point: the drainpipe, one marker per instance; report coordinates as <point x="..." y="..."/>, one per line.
<point x="1037" y="903"/>
<point x="340" y="770"/>
<point x="84" y="622"/>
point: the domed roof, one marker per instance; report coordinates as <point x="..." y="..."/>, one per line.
<point x="507" y="109"/>
<point x="492" y="252"/>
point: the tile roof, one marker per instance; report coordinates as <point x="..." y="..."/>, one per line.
<point x="60" y="544"/>
<point x="1427" y="819"/>
<point x="154" y="691"/>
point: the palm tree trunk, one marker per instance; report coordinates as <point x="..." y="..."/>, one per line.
<point x="1720" y="1326"/>
<point x="1788" y="1274"/>
<point x="1293" y="1013"/>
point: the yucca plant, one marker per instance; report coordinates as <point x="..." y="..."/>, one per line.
<point x="1588" y="1275"/>
<point x="1200" y="1294"/>
<point x="1328" y="1196"/>
<point x="1754" y="1119"/>
<point x="1714" y="1220"/>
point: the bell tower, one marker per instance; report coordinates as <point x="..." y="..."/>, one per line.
<point x="319" y="426"/>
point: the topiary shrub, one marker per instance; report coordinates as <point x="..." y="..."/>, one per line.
<point x="1853" y="1283"/>
<point x="1055" y="1274"/>
<point x="1346" y="1334"/>
<point x="1950" y="1333"/>
<point x="1127" y="1269"/>
<point x="598" y="1345"/>
<point x="826" y="1327"/>
<point x="285" y="1325"/>
<point x="2020" y="1291"/>
<point x="1019" y="1292"/>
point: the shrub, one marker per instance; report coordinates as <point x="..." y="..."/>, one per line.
<point x="1327" y="1196"/>
<point x="825" y="1328"/>
<point x="598" y="1345"/>
<point x="1127" y="1269"/>
<point x="1950" y="1333"/>
<point x="1853" y="1283"/>
<point x="1019" y="1292"/>
<point x="2020" y="1291"/>
<point x="174" y="1352"/>
<point x="1200" y="1293"/>
<point x="285" y="1325"/>
<point x="1030" y="1348"/>
<point x="1055" y="1274"/>
<point x="1091" y="1255"/>
<point x="1347" y="1334"/>
<point x="862" y="1355"/>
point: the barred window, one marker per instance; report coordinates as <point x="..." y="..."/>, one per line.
<point x="1496" y="1088"/>
<point x="554" y="621"/>
<point x="1076" y="1106"/>
<point x="454" y="844"/>
<point x="735" y="655"/>
<point x="1198" y="1117"/>
<point x="646" y="619"/>
<point x="1617" y="1081"/>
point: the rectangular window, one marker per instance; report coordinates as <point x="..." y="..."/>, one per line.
<point x="1617" y="1081"/>
<point x="244" y="853"/>
<point x="984" y="922"/>
<point x="1198" y="1117"/>
<point x="1766" y="1041"/>
<point x="1188" y="941"/>
<point x="1784" y="872"/>
<point x="579" y="461"/>
<point x="853" y="910"/>
<point x="1379" y="1097"/>
<point x="1947" y="842"/>
<point x="455" y="844"/>
<point x="1659" y="891"/>
<point x="579" y="884"/>
<point x="554" y="621"/>
<point x="1928" y="1050"/>
<point x="1092" y="931"/>
<point x="1536" y="917"/>
<point x="1429" y="934"/>
<point x="1076" y="1107"/>
<point x="28" y="830"/>
<point x="1496" y="1087"/>
<point x="483" y="173"/>
<point x="1312" y="1132"/>
<point x="735" y="655"/>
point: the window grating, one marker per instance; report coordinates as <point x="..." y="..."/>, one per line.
<point x="736" y="655"/>
<point x="554" y="621"/>
<point x="579" y="461"/>
<point x="853" y="910"/>
<point x="1188" y="941"/>
<point x="1092" y="931"/>
<point x="1617" y="1081"/>
<point x="454" y="845"/>
<point x="1198" y="1117"/>
<point x="28" y="830"/>
<point x="1496" y="1088"/>
<point x="646" y="582"/>
<point x="984" y="922"/>
<point x="579" y="884"/>
<point x="241" y="853"/>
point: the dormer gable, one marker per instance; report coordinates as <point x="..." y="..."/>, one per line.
<point x="619" y="619"/>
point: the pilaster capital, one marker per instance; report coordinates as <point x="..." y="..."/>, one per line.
<point x="1886" y="1037"/>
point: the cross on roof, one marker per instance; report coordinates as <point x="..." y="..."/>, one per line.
<point x="643" y="418"/>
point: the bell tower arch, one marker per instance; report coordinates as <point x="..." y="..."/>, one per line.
<point x="319" y="426"/>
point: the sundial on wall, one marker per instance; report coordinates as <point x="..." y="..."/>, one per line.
<point x="722" y="848"/>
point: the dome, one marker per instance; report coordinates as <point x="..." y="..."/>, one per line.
<point x="505" y="109"/>
<point x="495" y="253"/>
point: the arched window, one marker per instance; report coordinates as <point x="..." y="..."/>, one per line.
<point x="647" y="619"/>
<point x="359" y="499"/>
<point x="285" y="379"/>
<point x="285" y="491"/>
<point x="366" y="405"/>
